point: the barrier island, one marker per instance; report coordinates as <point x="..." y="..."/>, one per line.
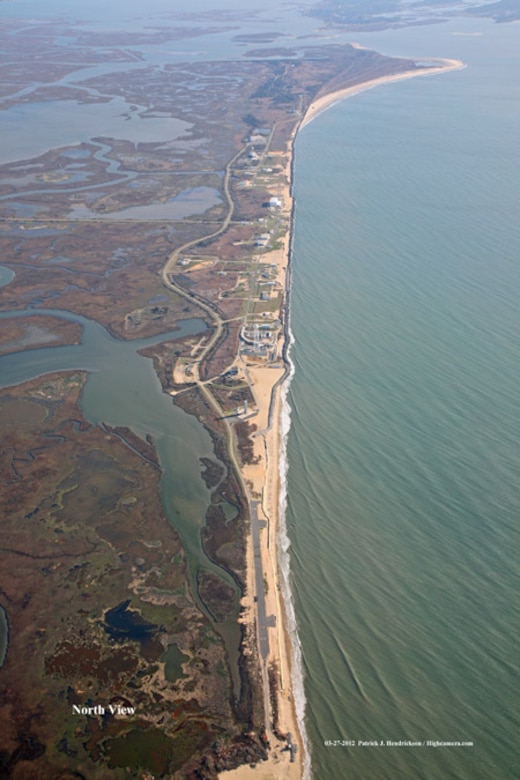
<point x="128" y="650"/>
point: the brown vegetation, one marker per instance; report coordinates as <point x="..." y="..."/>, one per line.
<point x="83" y="530"/>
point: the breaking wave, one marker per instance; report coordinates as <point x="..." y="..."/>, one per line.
<point x="284" y="563"/>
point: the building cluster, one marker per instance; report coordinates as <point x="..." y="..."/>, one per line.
<point x="259" y="340"/>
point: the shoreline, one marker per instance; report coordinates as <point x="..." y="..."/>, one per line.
<point x="266" y="487"/>
<point x="321" y="104"/>
<point x="268" y="480"/>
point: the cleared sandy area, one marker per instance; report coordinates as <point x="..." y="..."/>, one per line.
<point x="268" y="770"/>
<point x="263" y="479"/>
<point x="263" y="484"/>
<point x="322" y="103"/>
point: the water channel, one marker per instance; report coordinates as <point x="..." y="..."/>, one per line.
<point x="123" y="389"/>
<point x="6" y="275"/>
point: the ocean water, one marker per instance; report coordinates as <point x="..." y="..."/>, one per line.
<point x="404" y="449"/>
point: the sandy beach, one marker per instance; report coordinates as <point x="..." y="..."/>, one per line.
<point x="263" y="483"/>
<point x="324" y="102"/>
<point x="263" y="480"/>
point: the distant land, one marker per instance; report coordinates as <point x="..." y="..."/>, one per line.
<point x="384" y="14"/>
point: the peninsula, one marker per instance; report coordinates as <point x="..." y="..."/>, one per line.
<point x="166" y="653"/>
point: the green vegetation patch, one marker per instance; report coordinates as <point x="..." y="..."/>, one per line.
<point x="154" y="751"/>
<point x="150" y="750"/>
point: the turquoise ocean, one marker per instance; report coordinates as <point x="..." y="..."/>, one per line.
<point x="404" y="445"/>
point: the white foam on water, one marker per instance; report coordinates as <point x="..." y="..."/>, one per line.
<point x="284" y="564"/>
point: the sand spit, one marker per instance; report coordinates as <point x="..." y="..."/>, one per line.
<point x="322" y="103"/>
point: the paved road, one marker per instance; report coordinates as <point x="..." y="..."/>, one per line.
<point x="263" y="638"/>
